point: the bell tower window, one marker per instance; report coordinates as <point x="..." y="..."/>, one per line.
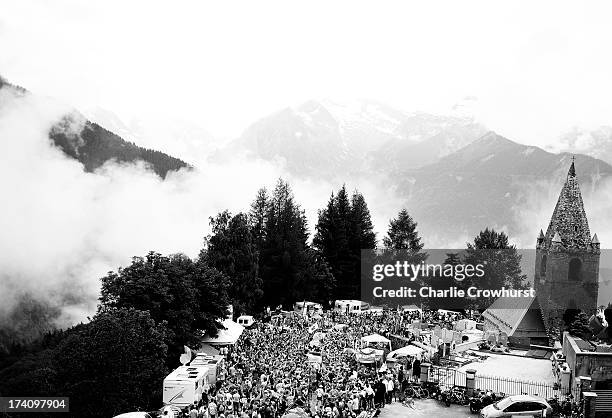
<point x="574" y="272"/>
<point x="543" y="266"/>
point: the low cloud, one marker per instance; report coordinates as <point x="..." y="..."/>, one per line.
<point x="63" y="228"/>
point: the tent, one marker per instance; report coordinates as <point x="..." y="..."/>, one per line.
<point x="368" y="356"/>
<point x="375" y="339"/>
<point x="227" y="336"/>
<point x="407" y="351"/>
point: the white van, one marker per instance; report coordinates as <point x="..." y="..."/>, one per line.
<point x="351" y="306"/>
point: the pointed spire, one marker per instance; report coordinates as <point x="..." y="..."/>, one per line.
<point x="572" y="169"/>
<point x="595" y="240"/>
<point x="569" y="219"/>
<point x="557" y="238"/>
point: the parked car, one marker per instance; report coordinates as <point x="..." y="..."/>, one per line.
<point x="519" y="405"/>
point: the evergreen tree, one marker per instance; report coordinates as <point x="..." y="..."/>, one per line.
<point x="343" y="229"/>
<point x="258" y="217"/>
<point x="232" y="250"/>
<point x="402" y="234"/>
<point x="315" y="282"/>
<point x="284" y="246"/>
<point x="325" y="236"/>
<point x="362" y="230"/>
<point x="403" y="242"/>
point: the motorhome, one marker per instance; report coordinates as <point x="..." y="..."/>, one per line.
<point x="351" y="306"/>
<point x="184" y="386"/>
<point x="211" y="364"/>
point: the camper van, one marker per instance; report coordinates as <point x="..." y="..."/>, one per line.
<point x="246" y="321"/>
<point x="211" y="365"/>
<point x="184" y="386"/>
<point x="351" y="306"/>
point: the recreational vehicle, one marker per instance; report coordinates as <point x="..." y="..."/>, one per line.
<point x="351" y="306"/>
<point x="184" y="386"/>
<point x="211" y="365"/>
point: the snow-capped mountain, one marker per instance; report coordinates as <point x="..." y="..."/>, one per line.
<point x="453" y="175"/>
<point x="331" y="139"/>
<point x="426" y="139"/>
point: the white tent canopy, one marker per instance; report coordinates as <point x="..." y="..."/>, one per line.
<point x="407" y="351"/>
<point x="375" y="338"/>
<point x="378" y="341"/>
<point x="227" y="336"/>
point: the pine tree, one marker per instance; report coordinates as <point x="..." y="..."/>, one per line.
<point x="285" y="243"/>
<point x="362" y="231"/>
<point x="232" y="250"/>
<point x="315" y="282"/>
<point x="402" y="234"/>
<point x="258" y="217"/>
<point x="343" y="229"/>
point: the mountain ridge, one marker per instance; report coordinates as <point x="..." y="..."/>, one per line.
<point x="94" y="145"/>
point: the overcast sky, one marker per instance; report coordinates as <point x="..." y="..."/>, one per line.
<point x="536" y="68"/>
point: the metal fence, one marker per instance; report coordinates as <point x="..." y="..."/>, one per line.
<point x="446" y="376"/>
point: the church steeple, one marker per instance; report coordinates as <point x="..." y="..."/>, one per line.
<point x="569" y="220"/>
<point x="572" y="170"/>
<point x="567" y="258"/>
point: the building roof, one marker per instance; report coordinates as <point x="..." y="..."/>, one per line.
<point x="508" y="312"/>
<point x="569" y="219"/>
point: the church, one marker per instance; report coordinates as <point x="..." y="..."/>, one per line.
<point x="566" y="276"/>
